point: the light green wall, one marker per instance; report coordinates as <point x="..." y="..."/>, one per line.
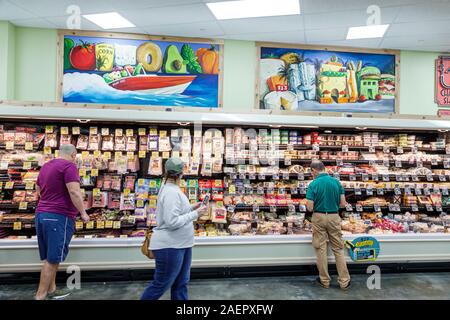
<point x="7" y="60"/>
<point x="35" y="64"/>
<point x="35" y="72"/>
<point x="417" y="82"/>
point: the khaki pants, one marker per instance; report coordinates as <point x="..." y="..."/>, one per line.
<point x="328" y="227"/>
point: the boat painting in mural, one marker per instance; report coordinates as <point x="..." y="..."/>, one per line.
<point x="319" y="80"/>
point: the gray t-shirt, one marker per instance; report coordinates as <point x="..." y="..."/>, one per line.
<point x="174" y="217"/>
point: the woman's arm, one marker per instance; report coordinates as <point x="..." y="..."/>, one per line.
<point x="173" y="215"/>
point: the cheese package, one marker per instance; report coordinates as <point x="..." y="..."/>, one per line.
<point x="152" y="143"/>
<point x="143" y="143"/>
<point x="94" y="142"/>
<point x="108" y="143"/>
<point x="82" y="143"/>
<point x="127" y="202"/>
<point x="155" y="166"/>
<point x="99" y="200"/>
<point x="65" y="139"/>
<point x="50" y="140"/>
<point x="131" y="143"/>
<point x="114" y="200"/>
<point x="219" y="213"/>
<point x="164" y="144"/>
<point x="120" y="143"/>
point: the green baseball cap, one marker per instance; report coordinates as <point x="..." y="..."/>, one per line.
<point x="174" y="166"/>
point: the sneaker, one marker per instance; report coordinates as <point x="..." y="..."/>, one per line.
<point x="59" y="294"/>
<point x="349" y="284"/>
<point x="320" y="283"/>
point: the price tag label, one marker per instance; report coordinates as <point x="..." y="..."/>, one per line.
<point x="352" y="177"/>
<point x="386" y="177"/>
<point x="28" y="146"/>
<point x="123" y="236"/>
<point x="337" y="175"/>
<point x="249" y="190"/>
<point x="372" y="149"/>
<point x="153" y="131"/>
<point x="273" y="209"/>
<point x="291" y="208"/>
<point x="376" y="208"/>
<point x="285" y="176"/>
<point x="84" y="154"/>
<point x="414" y="149"/>
<point x="141" y="182"/>
<point x="9" y="185"/>
<point x="130" y="132"/>
<point x="142" y="131"/>
<point x="444" y="191"/>
<point x="155" y="154"/>
<point x="82" y="172"/>
<point x="399" y="150"/>
<point x="434" y="162"/>
<point x="252" y="176"/>
<point x="386" y="149"/>
<point x="79" y="225"/>
<point x="254" y="161"/>
<point x="386" y="163"/>
<point x="281" y="190"/>
<point x="438" y="208"/>
<point x="100" y="224"/>
<point x="23" y="205"/>
<point x="93" y="130"/>
<point x="380" y="191"/>
<point x="107" y="155"/>
<point x="396" y="208"/>
<point x="287" y="161"/>
<point x="359" y="208"/>
<point x="414" y="177"/>
<point x="230" y="209"/>
<point x="419" y="164"/>
<point x="344" y="148"/>
<point x="119" y="132"/>
<point x="302" y="189"/>
<point x="294" y="191"/>
<point x="430" y="177"/>
<point x="9" y="145"/>
<point x="90" y="225"/>
<point x="130" y="155"/>
<point x="29" y="186"/>
<point x="290" y="147"/>
<point x="17" y="225"/>
<point x="418" y="191"/>
<point x="75" y="130"/>
<point x="260" y="190"/>
<point x="108" y="224"/>
<point x="375" y="177"/>
<point x="142" y="154"/>
<point x="369" y="191"/>
<point x="27" y="165"/>
<point x="397" y="191"/>
<point x="429" y="207"/>
<point x="105" y="131"/>
<point x="301" y="176"/>
<point x="233" y="176"/>
<point x="364" y="177"/>
<point x="275" y="177"/>
<point x="65" y="130"/>
<point x="47" y="150"/>
<point x="96" y="192"/>
<point x="426" y="191"/>
<point x="232" y="189"/>
<point x="349" y="207"/>
<point x="357" y="191"/>
<point x="442" y="178"/>
<point x="398" y="163"/>
<point x="391" y="207"/>
<point x="339" y="162"/>
<point x="116" y="225"/>
<point x="270" y="190"/>
<point x="372" y="163"/>
<point x="242" y="176"/>
<point x="315" y="147"/>
<point x="446" y="163"/>
<point x="48" y="129"/>
<point x="126" y="192"/>
<point x="140" y="203"/>
<point x="398" y="177"/>
<point x="255" y="208"/>
<point x="436" y="190"/>
<point x="302" y="208"/>
<point x="118" y="154"/>
<point x="408" y="191"/>
<point x="163" y="134"/>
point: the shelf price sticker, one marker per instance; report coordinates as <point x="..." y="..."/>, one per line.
<point x="94" y="172"/>
<point x="444" y="191"/>
<point x="26" y="165"/>
<point x="294" y="191"/>
<point x="141" y="182"/>
<point x="230" y="209"/>
<point x="429" y="207"/>
<point x="95" y="192"/>
<point x="436" y="190"/>
<point x="344" y="148"/>
<point x="400" y="150"/>
<point x="434" y="162"/>
<point x="442" y="178"/>
<point x="287" y="161"/>
<point x="107" y="155"/>
<point x="386" y="162"/>
<point x="9" y="145"/>
<point x="129" y="132"/>
<point x="291" y="208"/>
<point x="119" y="132"/>
<point x="118" y="154"/>
<point x="64" y="130"/>
<point x="29" y="185"/>
<point x="349" y="207"/>
<point x="418" y="191"/>
<point x="108" y="224"/>
<point x="339" y="162"/>
<point x="275" y="177"/>
<point x="123" y="236"/>
<point x="142" y="131"/>
<point x="315" y="147"/>
<point x="155" y="154"/>
<point x="386" y="177"/>
<point x="376" y="208"/>
<point x="9" y="185"/>
<point x="372" y="149"/>
<point x="352" y="177"/>
<point x="426" y="191"/>
<point x="116" y="225"/>
<point x="252" y="176"/>
<point x="380" y="191"/>
<point x="48" y="129"/>
<point x="130" y="155"/>
<point x="386" y="150"/>
<point x="126" y="192"/>
<point x="82" y="172"/>
<point x="100" y="224"/>
<point x="47" y="150"/>
<point x="364" y="177"/>
<point x="17" y="225"/>
<point x="301" y="176"/>
<point x="419" y="164"/>
<point x="375" y="177"/>
<point x="75" y="130"/>
<point x="414" y="177"/>
<point x="359" y="208"/>
<point x="372" y="163"/>
<point x="414" y="208"/>
<point x="28" y="146"/>
<point x="397" y="191"/>
<point x="357" y="191"/>
<point x="255" y="208"/>
<point x="285" y="176"/>
<point x="414" y="149"/>
<point x="369" y="191"/>
<point x="408" y="191"/>
<point x="337" y="175"/>
<point x="23" y="205"/>
<point x="90" y="225"/>
<point x="93" y="130"/>
<point x="140" y="203"/>
<point x="79" y="225"/>
<point x="84" y="154"/>
<point x="142" y="154"/>
<point x="438" y="208"/>
<point x="105" y="131"/>
<point x="97" y="154"/>
<point x="398" y="163"/>
<point x="446" y="163"/>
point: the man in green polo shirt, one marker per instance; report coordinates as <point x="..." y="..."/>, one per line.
<point x="325" y="196"/>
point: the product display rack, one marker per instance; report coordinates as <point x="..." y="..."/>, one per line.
<point x="125" y="237"/>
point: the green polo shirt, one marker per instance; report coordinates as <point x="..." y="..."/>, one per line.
<point x="326" y="192"/>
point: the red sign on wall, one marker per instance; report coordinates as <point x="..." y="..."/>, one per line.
<point x="442" y="95"/>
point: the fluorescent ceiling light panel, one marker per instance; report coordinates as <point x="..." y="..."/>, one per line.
<point x="109" y="20"/>
<point x="253" y="8"/>
<point x="366" y="32"/>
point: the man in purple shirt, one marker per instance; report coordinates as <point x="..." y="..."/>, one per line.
<point x="60" y="201"/>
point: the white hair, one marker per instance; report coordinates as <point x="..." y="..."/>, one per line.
<point x="67" y="149"/>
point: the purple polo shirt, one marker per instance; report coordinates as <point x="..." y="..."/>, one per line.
<point x="52" y="181"/>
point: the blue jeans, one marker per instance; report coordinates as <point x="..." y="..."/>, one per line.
<point x="173" y="267"/>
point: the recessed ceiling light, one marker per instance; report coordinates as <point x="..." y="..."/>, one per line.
<point x="366" y="32"/>
<point x="109" y="20"/>
<point x="253" y="8"/>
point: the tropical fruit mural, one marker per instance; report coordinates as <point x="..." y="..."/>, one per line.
<point x="142" y="72"/>
<point x="322" y="80"/>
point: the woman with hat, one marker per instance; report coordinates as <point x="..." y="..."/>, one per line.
<point x="173" y="237"/>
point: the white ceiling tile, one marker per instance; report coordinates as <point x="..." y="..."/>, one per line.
<point x="323" y="6"/>
<point x="33" y="23"/>
<point x="259" y="25"/>
<point x="61" y="23"/>
<point x="199" y="29"/>
<point x="321" y="35"/>
<point x="416" y="40"/>
<point x="52" y="8"/>
<point x="418" y="28"/>
<point x="440" y="49"/>
<point x="286" y="37"/>
<point x="426" y="11"/>
<point x="350" y="18"/>
<point x="137" y="4"/>
<point x="168" y="15"/>
<point x="359" y="43"/>
<point x="9" y="11"/>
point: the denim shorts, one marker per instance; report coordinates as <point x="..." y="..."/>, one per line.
<point x="54" y="232"/>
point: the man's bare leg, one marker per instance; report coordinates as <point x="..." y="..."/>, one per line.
<point x="47" y="280"/>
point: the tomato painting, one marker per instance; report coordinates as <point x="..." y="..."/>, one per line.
<point x="82" y="57"/>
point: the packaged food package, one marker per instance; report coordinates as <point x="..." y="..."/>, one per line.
<point x="143" y="143"/>
<point x="153" y="143"/>
<point x="207" y="167"/>
<point x="114" y="200"/>
<point x="87" y="200"/>
<point x="217" y="165"/>
<point x="99" y="200"/>
<point x="18" y="196"/>
<point x="94" y="142"/>
<point x="194" y="166"/>
<point x="131" y="143"/>
<point x="129" y="182"/>
<point x="218" y="146"/>
<point x="238" y="229"/>
<point x="229" y="134"/>
<point x="219" y="213"/>
<point x="50" y="140"/>
<point x="108" y="143"/>
<point x="140" y="214"/>
<point x="164" y="144"/>
<point x="133" y="164"/>
<point x="21" y="137"/>
<point x="65" y="139"/>
<point x="206" y="217"/>
<point x="155" y="167"/>
<point x="207" y="145"/>
<point x="116" y="183"/>
<point x="31" y="196"/>
<point x="127" y="202"/>
<point x="121" y="164"/>
<point x="197" y="146"/>
<point x="176" y="142"/>
<point x="82" y="142"/>
<point x="120" y="143"/>
<point x="186" y="165"/>
<point x="436" y="199"/>
<point x="186" y="144"/>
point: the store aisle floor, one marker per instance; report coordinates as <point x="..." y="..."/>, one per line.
<point x="393" y="286"/>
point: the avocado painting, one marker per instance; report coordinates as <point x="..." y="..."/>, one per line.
<point x="147" y="72"/>
<point x="298" y="79"/>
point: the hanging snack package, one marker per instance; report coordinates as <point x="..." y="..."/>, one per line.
<point x="100" y="182"/>
<point x="120" y="144"/>
<point x="155" y="167"/>
<point x="186" y="144"/>
<point x="140" y="214"/>
<point x="94" y="142"/>
<point x="143" y="143"/>
<point x="207" y="167"/>
<point x="131" y="143"/>
<point x="82" y="143"/>
<point x="152" y="143"/>
<point x="50" y="140"/>
<point x="175" y="139"/>
<point x="164" y="144"/>
<point x="142" y="188"/>
<point x="133" y="165"/>
<point x="217" y="165"/>
<point x="65" y="139"/>
<point x="219" y="213"/>
<point x="87" y="200"/>
<point x="206" y="217"/>
<point x="99" y="199"/>
<point x="127" y="202"/>
<point x="218" y="147"/>
<point x="194" y="166"/>
<point x="121" y="164"/>
<point x="116" y="183"/>
<point x="186" y="165"/>
<point x="129" y="182"/>
<point x="113" y="200"/>
<point x="197" y="146"/>
<point x="108" y="143"/>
